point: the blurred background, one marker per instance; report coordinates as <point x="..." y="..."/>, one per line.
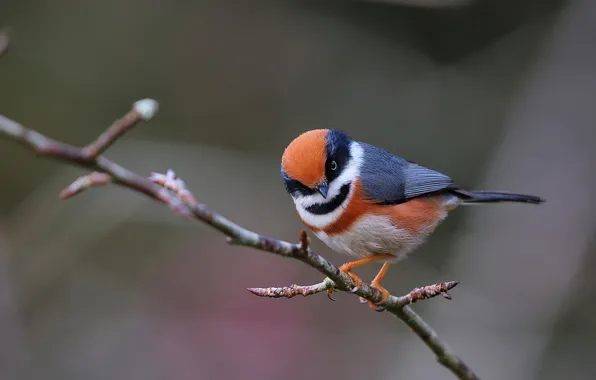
<point x="110" y="285"/>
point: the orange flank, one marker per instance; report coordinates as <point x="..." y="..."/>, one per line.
<point x="415" y="215"/>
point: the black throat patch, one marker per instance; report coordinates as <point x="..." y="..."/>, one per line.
<point x="328" y="207"/>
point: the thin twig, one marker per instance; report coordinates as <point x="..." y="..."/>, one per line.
<point x="85" y="182"/>
<point x="445" y="354"/>
<point x="293" y="290"/>
<point x="418" y="294"/>
<point x="170" y="190"/>
<point x="142" y="110"/>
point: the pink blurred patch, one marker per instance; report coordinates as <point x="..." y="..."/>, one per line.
<point x="208" y="325"/>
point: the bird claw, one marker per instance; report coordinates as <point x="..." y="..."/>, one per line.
<point x="384" y="295"/>
<point x="329" y="293"/>
<point x="378" y="308"/>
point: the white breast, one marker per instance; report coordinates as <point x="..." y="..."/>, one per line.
<point x="372" y="235"/>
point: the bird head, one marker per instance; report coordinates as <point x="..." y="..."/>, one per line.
<point x="318" y="163"/>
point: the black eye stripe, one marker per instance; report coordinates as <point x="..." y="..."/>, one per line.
<point x="293" y="186"/>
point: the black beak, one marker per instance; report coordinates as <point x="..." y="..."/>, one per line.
<point x="323" y="189"/>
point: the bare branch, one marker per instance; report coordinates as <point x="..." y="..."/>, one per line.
<point x="445" y="354"/>
<point x="418" y="294"/>
<point x="173" y="183"/>
<point x="85" y="182"/>
<point x="171" y="190"/>
<point x="293" y="290"/>
<point x="142" y="110"/>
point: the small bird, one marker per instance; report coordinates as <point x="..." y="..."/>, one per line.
<point x="367" y="203"/>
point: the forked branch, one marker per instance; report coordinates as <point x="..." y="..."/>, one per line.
<point x="171" y="190"/>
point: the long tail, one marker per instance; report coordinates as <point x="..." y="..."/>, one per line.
<point x="494" y="197"/>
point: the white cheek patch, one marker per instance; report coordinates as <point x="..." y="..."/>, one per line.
<point x="322" y="221"/>
<point x="350" y="173"/>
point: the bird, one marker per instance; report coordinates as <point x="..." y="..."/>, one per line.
<point x="369" y="204"/>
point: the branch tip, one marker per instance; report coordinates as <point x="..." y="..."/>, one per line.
<point x="304" y="241"/>
<point x="146" y="108"/>
<point x="142" y="110"/>
<point x="85" y="182"/>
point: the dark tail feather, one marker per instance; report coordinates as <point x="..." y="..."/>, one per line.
<point x="495" y="197"/>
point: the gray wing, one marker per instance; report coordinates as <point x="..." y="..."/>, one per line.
<point x="389" y="179"/>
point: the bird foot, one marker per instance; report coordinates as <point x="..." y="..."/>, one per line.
<point x="384" y="295"/>
<point x="347" y="270"/>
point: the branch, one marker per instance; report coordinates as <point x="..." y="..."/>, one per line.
<point x="417" y="294"/>
<point x="170" y="190"/>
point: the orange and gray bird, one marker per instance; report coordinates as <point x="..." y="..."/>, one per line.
<point x="368" y="203"/>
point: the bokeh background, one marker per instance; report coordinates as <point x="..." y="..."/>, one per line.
<point x="110" y="285"/>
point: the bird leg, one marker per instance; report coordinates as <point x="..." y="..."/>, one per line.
<point x="376" y="283"/>
<point x="347" y="269"/>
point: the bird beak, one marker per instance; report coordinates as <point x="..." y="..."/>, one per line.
<point x="323" y="189"/>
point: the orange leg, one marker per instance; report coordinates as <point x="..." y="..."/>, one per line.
<point x="376" y="283"/>
<point x="347" y="269"/>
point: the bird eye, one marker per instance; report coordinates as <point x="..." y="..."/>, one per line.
<point x="333" y="165"/>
